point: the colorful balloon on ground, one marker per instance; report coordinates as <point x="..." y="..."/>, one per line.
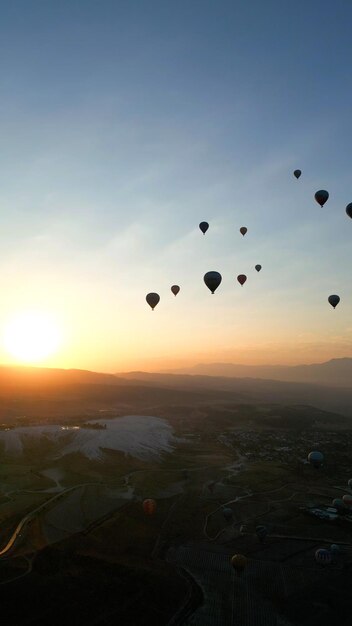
<point x="204" y="227"/>
<point x="241" y="278"/>
<point x="297" y="173"/>
<point x="243" y="230"/>
<point x="212" y="280"/>
<point x="334" y="300"/>
<point x="321" y="196"/>
<point x="152" y="299"/>
<point x="349" y="210"/>
<point x="238" y="562"/>
<point x="149" y="506"/>
<point x="316" y="458"/>
<point x="175" y="289"/>
<point x="323" y="556"/>
<point x="258" y="268"/>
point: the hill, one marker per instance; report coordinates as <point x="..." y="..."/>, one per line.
<point x="335" y="373"/>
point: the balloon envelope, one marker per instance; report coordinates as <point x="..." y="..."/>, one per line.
<point x="321" y="196"/>
<point x="323" y="556"/>
<point x="297" y="173"/>
<point x="338" y="504"/>
<point x="258" y="268"/>
<point x="175" y="289"/>
<point x="212" y="280"/>
<point x="241" y="279"/>
<point x="238" y="562"/>
<point x="315" y="458"/>
<point x="334" y="548"/>
<point x="261" y="532"/>
<point x="347" y="499"/>
<point x="349" y="210"/>
<point x="149" y="506"/>
<point x="152" y="299"/>
<point x="334" y="300"/>
<point x="204" y="227"/>
<point x="227" y="513"/>
<point x="243" y="230"/>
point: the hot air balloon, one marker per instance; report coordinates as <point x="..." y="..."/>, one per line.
<point x="212" y="280"/>
<point x="350" y="483"/>
<point x="334" y="300"/>
<point x="227" y="513"/>
<point x="338" y="504"/>
<point x="241" y="279"/>
<point x="347" y="500"/>
<point x="243" y="230"/>
<point x="349" y="210"/>
<point x="321" y="196"/>
<point x="297" y="173"/>
<point x="258" y="268"/>
<point x="204" y="227"/>
<point x="316" y="458"/>
<point x="149" y="506"/>
<point x="323" y="556"/>
<point x="238" y="562"/>
<point x="175" y="289"/>
<point x="261" y="532"/>
<point x="152" y="299"/>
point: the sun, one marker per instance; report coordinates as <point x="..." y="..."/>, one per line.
<point x="32" y="336"/>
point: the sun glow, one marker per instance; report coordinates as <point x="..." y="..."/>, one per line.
<point x="32" y="336"/>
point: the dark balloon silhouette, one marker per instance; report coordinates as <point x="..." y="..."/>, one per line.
<point x="243" y="230"/>
<point x="238" y="562"/>
<point x="321" y="196"/>
<point x="152" y="299"/>
<point x="258" y="268"/>
<point x="261" y="532"/>
<point x="349" y="210"/>
<point x="334" y="300"/>
<point x="204" y="227"/>
<point x="227" y="513"/>
<point x="297" y="173"/>
<point x="347" y="499"/>
<point x="242" y="279"/>
<point x="338" y="504"/>
<point x="175" y="289"/>
<point x="323" y="556"/>
<point x="316" y="458"/>
<point x="149" y="506"/>
<point x="212" y="280"/>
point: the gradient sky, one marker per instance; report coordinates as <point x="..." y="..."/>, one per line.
<point x="125" y="123"/>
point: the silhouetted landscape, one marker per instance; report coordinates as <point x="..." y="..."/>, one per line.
<point x="78" y="462"/>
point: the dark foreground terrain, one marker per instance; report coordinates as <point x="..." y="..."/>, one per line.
<point x="76" y="546"/>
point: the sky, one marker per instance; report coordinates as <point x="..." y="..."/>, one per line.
<point x="125" y="123"/>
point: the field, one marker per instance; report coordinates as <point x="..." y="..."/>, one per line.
<point x="84" y="509"/>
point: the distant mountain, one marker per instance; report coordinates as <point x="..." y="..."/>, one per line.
<point x="335" y="373"/>
<point x="48" y="393"/>
<point x="252" y="390"/>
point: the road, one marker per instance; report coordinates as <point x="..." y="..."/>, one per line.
<point x="25" y="520"/>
